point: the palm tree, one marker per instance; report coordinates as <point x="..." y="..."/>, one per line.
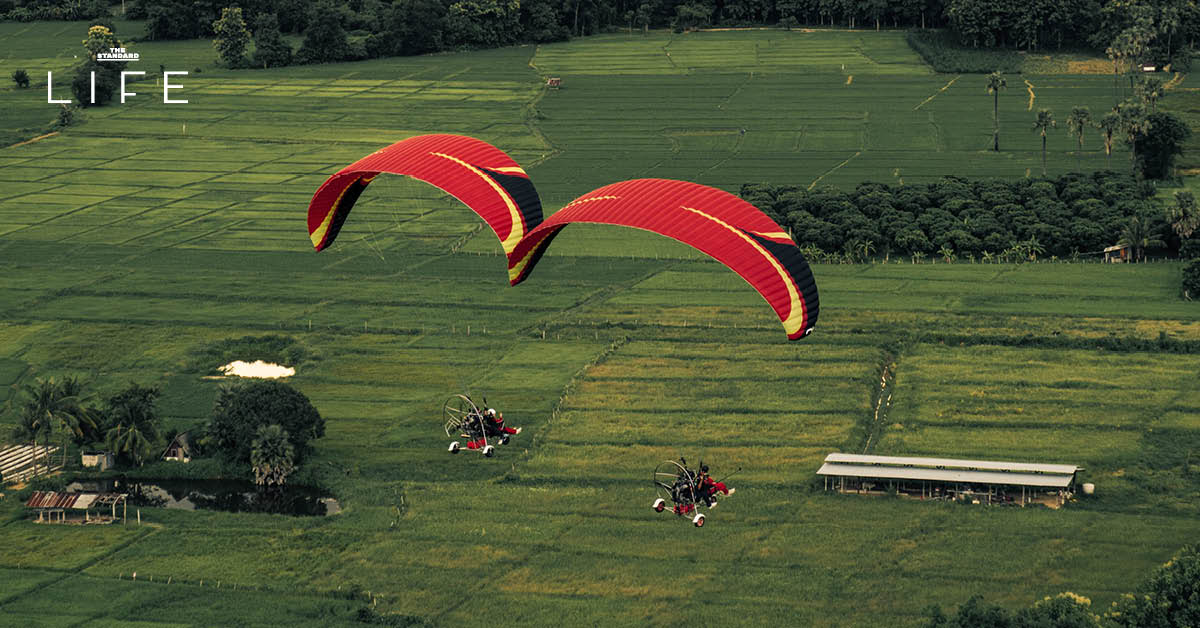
<point x="49" y="403"/>
<point x="1080" y="119"/>
<point x="1184" y="217"/>
<point x="78" y="420"/>
<point x="947" y="253"/>
<point x="1150" y="89"/>
<point x="1108" y="126"/>
<point x="30" y="427"/>
<point x="1132" y="122"/>
<point x="134" y="423"/>
<point x="996" y="83"/>
<point x="988" y="257"/>
<point x="1045" y="120"/>
<point x="1137" y="236"/>
<point x="1117" y="53"/>
<point x="272" y="456"/>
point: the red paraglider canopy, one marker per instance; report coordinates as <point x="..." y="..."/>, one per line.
<point x="480" y="175"/>
<point x="713" y="221"/>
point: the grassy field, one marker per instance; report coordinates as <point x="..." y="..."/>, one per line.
<point x="142" y="243"/>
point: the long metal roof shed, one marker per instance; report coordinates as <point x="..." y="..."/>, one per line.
<point x="949" y="478"/>
<point x="56" y="504"/>
<point x="952" y="464"/>
<point x="947" y="475"/>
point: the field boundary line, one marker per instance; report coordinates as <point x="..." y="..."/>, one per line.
<point x="671" y="61"/>
<point x="1029" y="87"/>
<point x="36" y="139"/>
<point x="736" y="90"/>
<point x="529" y="116"/>
<point x="831" y="170"/>
<point x="882" y="399"/>
<point x="79" y="570"/>
<point x="939" y="144"/>
<point x="598" y="295"/>
<point x="935" y="94"/>
<point x="114" y="221"/>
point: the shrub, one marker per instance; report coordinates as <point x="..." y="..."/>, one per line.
<point x="21" y="78"/>
<point x="944" y="54"/>
<point x="243" y="408"/>
<point x="270" y="50"/>
<point x="1191" y="280"/>
<point x="66" y="116"/>
<point x="108" y="78"/>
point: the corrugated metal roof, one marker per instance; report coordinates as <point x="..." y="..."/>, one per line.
<point x="952" y="463"/>
<point x="50" y="499"/>
<point x="946" y="475"/>
<point x="79" y="501"/>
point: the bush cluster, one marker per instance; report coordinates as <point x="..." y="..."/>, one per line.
<point x="940" y="49"/>
<point x="1076" y="214"/>
<point x="53" y="10"/>
<point x="1191" y="280"/>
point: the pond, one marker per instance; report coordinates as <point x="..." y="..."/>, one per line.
<point x="223" y="495"/>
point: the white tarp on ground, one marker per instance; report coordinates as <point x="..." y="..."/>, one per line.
<point x="257" y="368"/>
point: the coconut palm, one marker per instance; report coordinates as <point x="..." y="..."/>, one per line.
<point x="1108" y="125"/>
<point x="134" y="423"/>
<point x="79" y="420"/>
<point x="1136" y="235"/>
<point x="272" y="456"/>
<point x="996" y="83"/>
<point x="1079" y="120"/>
<point x="50" y="402"/>
<point x="1045" y="120"/>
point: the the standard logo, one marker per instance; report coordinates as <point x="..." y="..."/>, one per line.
<point x="117" y="54"/>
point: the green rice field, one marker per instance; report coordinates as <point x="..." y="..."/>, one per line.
<point x="136" y="242"/>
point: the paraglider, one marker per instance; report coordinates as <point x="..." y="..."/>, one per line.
<point x="712" y="221"/>
<point x="480" y="175"/>
<point x="488" y="181"/>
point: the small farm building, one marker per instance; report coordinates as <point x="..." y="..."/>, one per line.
<point x="179" y="450"/>
<point x="53" y="507"/>
<point x="101" y="460"/>
<point x="980" y="481"/>
<point x="1117" y="253"/>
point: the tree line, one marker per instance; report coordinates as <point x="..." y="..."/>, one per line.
<point x="989" y="220"/>
<point x="267" y="425"/>
<point x="1136" y="30"/>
